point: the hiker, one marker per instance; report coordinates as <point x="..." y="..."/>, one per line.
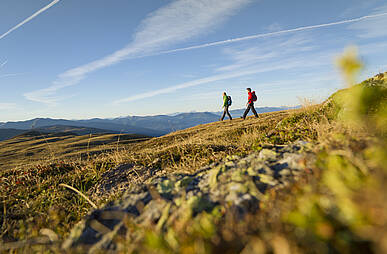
<point x="250" y="103"/>
<point x="226" y="104"/>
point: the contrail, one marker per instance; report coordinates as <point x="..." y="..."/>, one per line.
<point x="227" y="76"/>
<point x="11" y="75"/>
<point x="251" y="37"/>
<point x="29" y="18"/>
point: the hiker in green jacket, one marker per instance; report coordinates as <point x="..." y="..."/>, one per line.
<point x="226" y="104"/>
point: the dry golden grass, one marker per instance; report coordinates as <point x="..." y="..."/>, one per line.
<point x="340" y="208"/>
<point x="30" y="186"/>
<point x="27" y="150"/>
<point x="190" y="149"/>
<point x="183" y="150"/>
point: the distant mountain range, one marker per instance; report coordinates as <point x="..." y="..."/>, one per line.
<point x="9" y="133"/>
<point x="144" y="125"/>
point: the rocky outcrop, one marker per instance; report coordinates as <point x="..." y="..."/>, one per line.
<point x="235" y="183"/>
<point x="116" y="181"/>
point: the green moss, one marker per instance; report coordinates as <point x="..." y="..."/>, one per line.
<point x="165" y="187"/>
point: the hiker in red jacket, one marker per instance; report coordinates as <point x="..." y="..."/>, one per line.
<point x="250" y="103"/>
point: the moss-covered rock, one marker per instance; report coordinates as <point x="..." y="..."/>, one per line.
<point x="164" y="203"/>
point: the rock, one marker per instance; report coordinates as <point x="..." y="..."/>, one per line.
<point x="236" y="184"/>
<point x="152" y="211"/>
<point x="238" y="176"/>
<point x="267" y="154"/>
<point x="165" y="187"/>
<point x="252" y="172"/>
<point x="183" y="183"/>
<point x="213" y="176"/>
<point x="118" y="180"/>
<point x="285" y="172"/>
<point x="267" y="179"/>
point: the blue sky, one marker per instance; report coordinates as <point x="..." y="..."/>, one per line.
<point x="96" y="58"/>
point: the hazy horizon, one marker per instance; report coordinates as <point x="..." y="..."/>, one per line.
<point x="150" y="115"/>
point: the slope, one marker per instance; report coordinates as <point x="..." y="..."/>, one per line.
<point x="36" y="146"/>
<point x="337" y="205"/>
<point x="92" y="123"/>
<point x="9" y="133"/>
<point x="147" y="125"/>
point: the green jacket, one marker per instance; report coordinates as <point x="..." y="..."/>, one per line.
<point x="225" y="101"/>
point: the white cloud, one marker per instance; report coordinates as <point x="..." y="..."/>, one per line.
<point x="174" y="23"/>
<point x="8" y="74"/>
<point x="372" y="48"/>
<point x="11" y="75"/>
<point x="358" y="6"/>
<point x="264" y="35"/>
<point x="372" y="28"/>
<point x="187" y="76"/>
<point x="254" y="60"/>
<point x="263" y="52"/>
<point x="29" y="18"/>
<point x="7" y="106"/>
<point x="3" y="64"/>
<point x="274" y="27"/>
<point x="284" y="65"/>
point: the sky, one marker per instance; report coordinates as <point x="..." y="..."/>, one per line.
<point x="86" y="59"/>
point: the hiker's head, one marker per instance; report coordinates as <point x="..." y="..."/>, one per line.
<point x="224" y="94"/>
<point x="248" y="90"/>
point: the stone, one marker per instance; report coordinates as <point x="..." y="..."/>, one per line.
<point x="165" y="187"/>
<point x="267" y="179"/>
<point x="236" y="183"/>
<point x="285" y="172"/>
<point x="267" y="154"/>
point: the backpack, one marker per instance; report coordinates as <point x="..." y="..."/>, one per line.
<point x="229" y="101"/>
<point x="254" y="96"/>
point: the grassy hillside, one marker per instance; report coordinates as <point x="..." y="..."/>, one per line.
<point x="9" y="133"/>
<point x="70" y="130"/>
<point x="35" y="147"/>
<point x="102" y="124"/>
<point x="338" y="207"/>
<point x="34" y="165"/>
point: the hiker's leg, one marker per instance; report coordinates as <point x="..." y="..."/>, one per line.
<point x="228" y="113"/>
<point x="253" y="109"/>
<point x="246" y="112"/>
<point x="223" y="115"/>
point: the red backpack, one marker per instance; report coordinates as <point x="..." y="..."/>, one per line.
<point x="254" y="96"/>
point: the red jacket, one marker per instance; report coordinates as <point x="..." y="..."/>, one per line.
<point x="250" y="98"/>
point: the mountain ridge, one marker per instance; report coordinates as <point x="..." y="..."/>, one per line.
<point x="155" y="126"/>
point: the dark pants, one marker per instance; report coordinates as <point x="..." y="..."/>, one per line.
<point x="251" y="106"/>
<point x="226" y="112"/>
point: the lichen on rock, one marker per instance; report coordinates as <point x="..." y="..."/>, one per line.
<point x="235" y="183"/>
